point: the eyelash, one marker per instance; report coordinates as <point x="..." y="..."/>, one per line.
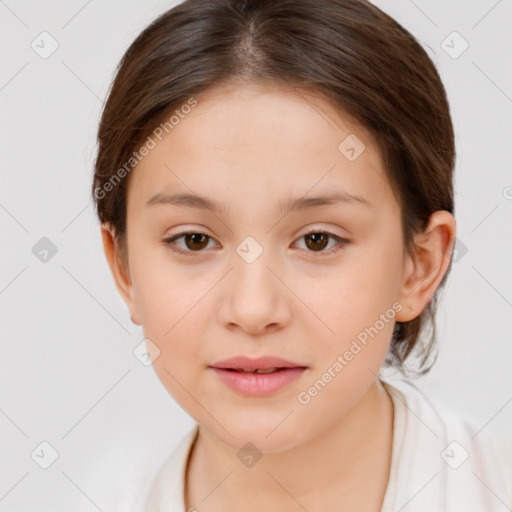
<point x="342" y="242"/>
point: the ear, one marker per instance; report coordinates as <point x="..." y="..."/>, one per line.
<point x="121" y="275"/>
<point x="426" y="267"/>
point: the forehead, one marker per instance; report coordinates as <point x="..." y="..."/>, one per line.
<point x="243" y="142"/>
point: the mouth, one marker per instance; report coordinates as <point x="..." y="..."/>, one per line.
<point x="257" y="377"/>
<point x="257" y="384"/>
<point x="264" y="364"/>
<point x="258" y="370"/>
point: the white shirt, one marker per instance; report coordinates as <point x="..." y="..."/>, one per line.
<point x="440" y="462"/>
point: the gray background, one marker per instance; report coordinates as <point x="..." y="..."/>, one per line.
<point x="68" y="373"/>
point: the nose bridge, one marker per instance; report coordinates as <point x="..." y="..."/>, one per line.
<point x="253" y="258"/>
<point x="255" y="297"/>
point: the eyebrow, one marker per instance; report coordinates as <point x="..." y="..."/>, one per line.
<point x="298" y="204"/>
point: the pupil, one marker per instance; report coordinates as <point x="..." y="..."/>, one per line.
<point x="318" y="238"/>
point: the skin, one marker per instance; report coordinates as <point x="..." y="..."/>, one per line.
<point x="250" y="148"/>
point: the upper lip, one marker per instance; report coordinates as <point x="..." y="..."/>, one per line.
<point x="259" y="363"/>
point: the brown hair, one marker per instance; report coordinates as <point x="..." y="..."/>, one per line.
<point x="348" y="52"/>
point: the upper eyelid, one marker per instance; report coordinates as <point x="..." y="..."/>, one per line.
<point x="309" y="232"/>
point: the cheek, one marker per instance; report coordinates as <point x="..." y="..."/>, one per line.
<point x="172" y="315"/>
<point x="354" y="303"/>
<point x="165" y="291"/>
<point x="171" y="305"/>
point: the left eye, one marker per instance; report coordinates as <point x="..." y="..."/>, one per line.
<point x="316" y="241"/>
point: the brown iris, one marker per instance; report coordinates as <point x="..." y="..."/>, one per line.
<point x="198" y="240"/>
<point x="319" y="241"/>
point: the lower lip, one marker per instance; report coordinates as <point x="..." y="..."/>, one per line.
<point x="258" y="384"/>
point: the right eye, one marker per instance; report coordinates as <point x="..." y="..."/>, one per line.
<point x="195" y="241"/>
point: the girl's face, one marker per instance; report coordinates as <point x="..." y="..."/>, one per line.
<point x="252" y="283"/>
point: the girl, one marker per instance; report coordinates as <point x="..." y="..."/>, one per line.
<point x="274" y="183"/>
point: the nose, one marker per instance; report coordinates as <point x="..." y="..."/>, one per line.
<point x="254" y="298"/>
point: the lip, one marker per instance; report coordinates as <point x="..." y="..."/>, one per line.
<point x="257" y="384"/>
<point x="259" y="363"/>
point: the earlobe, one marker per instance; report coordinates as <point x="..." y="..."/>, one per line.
<point x="426" y="267"/>
<point x="121" y="275"/>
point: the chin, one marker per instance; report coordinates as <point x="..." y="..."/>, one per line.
<point x="266" y="435"/>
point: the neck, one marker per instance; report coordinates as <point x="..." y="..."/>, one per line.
<point x="344" y="468"/>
